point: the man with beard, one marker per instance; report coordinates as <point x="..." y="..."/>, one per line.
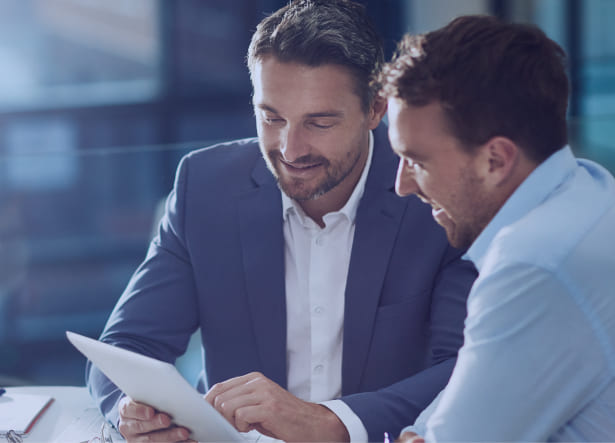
<point x="289" y="252"/>
<point x="478" y="118"/>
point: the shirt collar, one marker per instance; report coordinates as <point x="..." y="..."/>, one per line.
<point x="290" y="206"/>
<point x="531" y="192"/>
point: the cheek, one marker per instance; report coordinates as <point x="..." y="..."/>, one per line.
<point x="268" y="137"/>
<point x="431" y="188"/>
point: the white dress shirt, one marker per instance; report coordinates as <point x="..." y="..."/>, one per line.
<point x="317" y="261"/>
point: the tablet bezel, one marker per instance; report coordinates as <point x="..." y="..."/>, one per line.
<point x="160" y="385"/>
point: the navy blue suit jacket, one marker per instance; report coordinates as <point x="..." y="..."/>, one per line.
<point x="218" y="264"/>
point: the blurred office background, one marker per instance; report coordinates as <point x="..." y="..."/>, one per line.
<point x="99" y="99"/>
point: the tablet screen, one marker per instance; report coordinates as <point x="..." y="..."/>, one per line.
<point x="160" y="385"/>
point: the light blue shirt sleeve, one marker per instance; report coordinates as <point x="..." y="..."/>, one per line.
<point x="515" y="378"/>
<point x="420" y="424"/>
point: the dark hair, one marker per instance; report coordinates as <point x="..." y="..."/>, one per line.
<point x="319" y="32"/>
<point x="491" y="78"/>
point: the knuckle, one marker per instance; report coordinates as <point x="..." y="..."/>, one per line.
<point x="141" y="427"/>
<point x="144" y="411"/>
<point x="243" y="426"/>
<point x="226" y="409"/>
<point x="144" y="438"/>
<point x="123" y="427"/>
<point x="123" y="406"/>
<point x="165" y="420"/>
<point x="240" y="415"/>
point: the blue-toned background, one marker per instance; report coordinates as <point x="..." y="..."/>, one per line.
<point x="99" y="99"/>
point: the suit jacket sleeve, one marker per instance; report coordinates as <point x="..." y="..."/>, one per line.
<point x="393" y="407"/>
<point x="144" y="310"/>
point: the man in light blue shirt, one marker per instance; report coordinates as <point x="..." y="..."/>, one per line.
<point x="477" y="115"/>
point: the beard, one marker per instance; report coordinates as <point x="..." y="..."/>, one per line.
<point x="303" y="190"/>
<point x="479" y="207"/>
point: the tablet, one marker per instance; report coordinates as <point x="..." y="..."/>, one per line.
<point x="160" y="385"/>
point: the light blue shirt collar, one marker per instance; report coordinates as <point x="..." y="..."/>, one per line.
<point x="531" y="192"/>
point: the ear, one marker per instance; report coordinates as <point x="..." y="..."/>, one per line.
<point x="376" y="112"/>
<point x="500" y="158"/>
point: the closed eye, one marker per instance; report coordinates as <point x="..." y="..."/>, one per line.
<point x="322" y="125"/>
<point x="413" y="164"/>
<point x="273" y="120"/>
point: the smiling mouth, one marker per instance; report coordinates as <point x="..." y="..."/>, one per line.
<point x="440" y="216"/>
<point x="300" y="166"/>
<point x="435" y="211"/>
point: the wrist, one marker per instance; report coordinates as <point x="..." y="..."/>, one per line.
<point x="335" y="430"/>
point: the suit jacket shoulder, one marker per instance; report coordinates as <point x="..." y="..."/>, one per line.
<point x="227" y="167"/>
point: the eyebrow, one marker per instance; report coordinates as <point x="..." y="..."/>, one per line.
<point x="322" y="114"/>
<point x="411" y="154"/>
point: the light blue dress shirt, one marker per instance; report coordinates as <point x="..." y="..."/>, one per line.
<point x="538" y="361"/>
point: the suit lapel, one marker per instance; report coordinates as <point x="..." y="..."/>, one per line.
<point x="262" y="239"/>
<point x="378" y="219"/>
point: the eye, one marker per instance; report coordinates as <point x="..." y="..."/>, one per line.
<point x="413" y="164"/>
<point x="272" y="119"/>
<point x="322" y="122"/>
<point x="321" y="125"/>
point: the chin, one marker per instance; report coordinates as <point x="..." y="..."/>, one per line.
<point x="457" y="239"/>
<point x="298" y="192"/>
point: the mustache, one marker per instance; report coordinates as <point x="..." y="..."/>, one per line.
<point x="305" y="160"/>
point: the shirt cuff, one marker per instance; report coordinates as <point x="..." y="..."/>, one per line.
<point x="411" y="428"/>
<point x="353" y="423"/>
<point x="420" y="424"/>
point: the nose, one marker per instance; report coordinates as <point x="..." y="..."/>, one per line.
<point x="293" y="144"/>
<point x="405" y="183"/>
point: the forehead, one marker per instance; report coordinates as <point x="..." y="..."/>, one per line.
<point x="416" y="130"/>
<point x="289" y="86"/>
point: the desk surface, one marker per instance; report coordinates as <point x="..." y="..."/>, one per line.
<point x="70" y="403"/>
<point x="74" y="418"/>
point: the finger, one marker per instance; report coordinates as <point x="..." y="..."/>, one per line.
<point x="242" y="411"/>
<point x="410" y="437"/>
<point x="247" y="418"/>
<point x="254" y="385"/>
<point x="130" y="409"/>
<point x="132" y="427"/>
<point x="229" y="384"/>
<point x="175" y="434"/>
<point x="230" y="405"/>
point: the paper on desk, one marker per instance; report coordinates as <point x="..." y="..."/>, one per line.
<point x="19" y="412"/>
<point x="89" y="423"/>
<point x="86" y="426"/>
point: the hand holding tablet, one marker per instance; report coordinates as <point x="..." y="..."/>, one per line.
<point x="158" y="384"/>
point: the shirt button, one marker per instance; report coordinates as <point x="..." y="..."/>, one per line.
<point x="319" y="241"/>
<point x="318" y="369"/>
<point x="318" y="310"/>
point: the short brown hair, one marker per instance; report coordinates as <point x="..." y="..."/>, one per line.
<point x="492" y="79"/>
<point x="319" y="32"/>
